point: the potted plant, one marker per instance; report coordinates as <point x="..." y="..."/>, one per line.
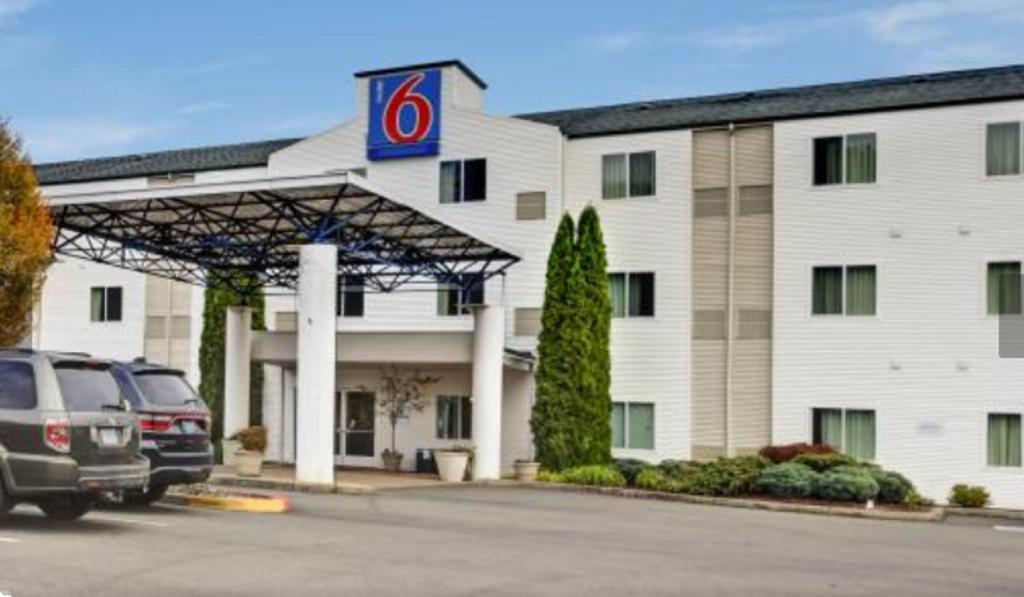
<point x="249" y="460"/>
<point x="452" y="463"/>
<point x="401" y="395"/>
<point x="526" y="470"/>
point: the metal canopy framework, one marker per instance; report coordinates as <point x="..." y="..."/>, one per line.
<point x="192" y="233"/>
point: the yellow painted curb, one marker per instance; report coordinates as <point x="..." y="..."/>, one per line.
<point x="261" y="505"/>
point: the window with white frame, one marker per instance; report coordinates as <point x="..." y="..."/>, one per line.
<point x="829" y="298"/>
<point x="1004" y="288"/>
<point x="1003" y="149"/>
<point x="851" y="431"/>
<point x="845" y="159"/>
<point x="105" y="303"/>
<point x="633" y="425"/>
<point x="463" y="181"/>
<point x="1004" y="439"/>
<point x="628" y="175"/>
<point x="454" y="298"/>
<point x="632" y="294"/>
<point x="454" y="418"/>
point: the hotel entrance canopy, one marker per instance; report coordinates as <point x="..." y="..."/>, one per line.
<point x="191" y="233"/>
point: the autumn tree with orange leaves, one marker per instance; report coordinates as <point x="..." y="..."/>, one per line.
<point x="25" y="235"/>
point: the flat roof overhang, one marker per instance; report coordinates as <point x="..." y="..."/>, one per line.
<point x="191" y="233"/>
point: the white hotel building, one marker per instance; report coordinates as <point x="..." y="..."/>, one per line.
<point x="818" y="263"/>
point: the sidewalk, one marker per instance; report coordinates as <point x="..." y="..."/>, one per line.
<point x="346" y="480"/>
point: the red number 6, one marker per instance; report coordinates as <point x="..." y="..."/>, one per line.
<point x="404" y="96"/>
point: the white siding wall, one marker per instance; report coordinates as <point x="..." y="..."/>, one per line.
<point x="928" y="362"/>
<point x="650" y="356"/>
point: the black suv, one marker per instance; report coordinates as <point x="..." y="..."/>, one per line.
<point x="175" y="427"/>
<point x="66" y="434"/>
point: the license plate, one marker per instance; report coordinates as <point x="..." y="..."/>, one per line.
<point x="190" y="427"/>
<point x="110" y="436"/>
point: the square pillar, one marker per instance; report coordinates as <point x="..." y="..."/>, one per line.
<point x="317" y="330"/>
<point x="488" y="363"/>
<point x="237" y="353"/>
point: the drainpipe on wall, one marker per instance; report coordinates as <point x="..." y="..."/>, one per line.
<point x="730" y="290"/>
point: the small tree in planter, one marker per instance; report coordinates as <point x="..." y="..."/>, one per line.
<point x="401" y="395"/>
<point x="250" y="458"/>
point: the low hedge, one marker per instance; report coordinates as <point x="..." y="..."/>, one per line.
<point x="790" y="479"/>
<point x="725" y="476"/>
<point x="787" y="452"/>
<point x="594" y="474"/>
<point x="969" y="496"/>
<point x="893" y="488"/>
<point x="629" y="468"/>
<point x="846" y="484"/>
<point x="825" y="461"/>
<point x="651" y="479"/>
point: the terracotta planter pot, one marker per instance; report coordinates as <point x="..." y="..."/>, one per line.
<point x="526" y="472"/>
<point x="451" y="466"/>
<point x="248" y="463"/>
<point x="228" y="447"/>
<point x="392" y="462"/>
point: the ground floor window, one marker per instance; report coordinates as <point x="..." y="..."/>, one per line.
<point x="633" y="425"/>
<point x="850" y="431"/>
<point x="1004" y="440"/>
<point x="454" y="417"/>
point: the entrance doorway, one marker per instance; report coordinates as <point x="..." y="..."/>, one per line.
<point x="354" y="423"/>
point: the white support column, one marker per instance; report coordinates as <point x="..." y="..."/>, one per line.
<point x="488" y="361"/>
<point x="237" y="353"/>
<point x="317" y="328"/>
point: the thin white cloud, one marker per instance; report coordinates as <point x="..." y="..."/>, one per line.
<point x="617" y="42"/>
<point x="76" y="138"/>
<point x="12" y="8"/>
<point x="202" y="108"/>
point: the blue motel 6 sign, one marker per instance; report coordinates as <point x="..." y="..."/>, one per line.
<point x="405" y="115"/>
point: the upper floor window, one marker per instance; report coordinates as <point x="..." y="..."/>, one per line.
<point x="851" y="432"/>
<point x="1004" y="440"/>
<point x="1003" y="149"/>
<point x="627" y="175"/>
<point x="828" y="298"/>
<point x="463" y="180"/>
<point x="454" y="417"/>
<point x="845" y="159"/>
<point x="632" y="294"/>
<point x="455" y="297"/>
<point x="351" y="296"/>
<point x="105" y="303"/>
<point x="1004" y="288"/>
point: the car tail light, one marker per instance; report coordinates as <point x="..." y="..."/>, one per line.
<point x="157" y="423"/>
<point x="57" y="435"/>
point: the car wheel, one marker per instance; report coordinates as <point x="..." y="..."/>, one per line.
<point x="67" y="508"/>
<point x="145" y="498"/>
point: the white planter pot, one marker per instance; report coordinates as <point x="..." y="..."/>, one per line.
<point x="451" y="466"/>
<point x="228" y="447"/>
<point x="249" y="463"/>
<point x="526" y="472"/>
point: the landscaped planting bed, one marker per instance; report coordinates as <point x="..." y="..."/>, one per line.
<point x="799" y="473"/>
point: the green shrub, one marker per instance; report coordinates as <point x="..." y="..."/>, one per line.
<point x="893" y="488"/>
<point x="915" y="501"/>
<point x="630" y="468"/>
<point x="787" y="452"/>
<point x="825" y="462"/>
<point x="846" y="484"/>
<point x="546" y="476"/>
<point x="594" y="474"/>
<point x="969" y="496"/>
<point x="678" y="469"/>
<point x="725" y="476"/>
<point x="652" y="479"/>
<point x="789" y="479"/>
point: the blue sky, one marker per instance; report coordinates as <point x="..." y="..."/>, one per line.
<point x="104" y="77"/>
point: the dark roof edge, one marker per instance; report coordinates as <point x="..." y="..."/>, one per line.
<point x="164" y="152"/>
<point x="804" y="116"/>
<point x="423" y="66"/>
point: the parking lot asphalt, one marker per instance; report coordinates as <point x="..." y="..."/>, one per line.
<point x="499" y="541"/>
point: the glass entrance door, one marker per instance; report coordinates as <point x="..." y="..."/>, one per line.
<point x="355" y="418"/>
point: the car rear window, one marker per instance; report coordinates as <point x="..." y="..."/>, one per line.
<point x="86" y="388"/>
<point x="17" y="386"/>
<point x="165" y="389"/>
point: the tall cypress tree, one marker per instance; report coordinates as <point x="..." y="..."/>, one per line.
<point x="552" y="418"/>
<point x="595" y="388"/>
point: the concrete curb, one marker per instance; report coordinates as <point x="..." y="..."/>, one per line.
<point x="318" y="488"/>
<point x="270" y="504"/>
<point x="933" y="515"/>
<point x="984" y="512"/>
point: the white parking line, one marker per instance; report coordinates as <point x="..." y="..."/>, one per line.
<point x="1009" y="529"/>
<point x="149" y="523"/>
<point x="9" y="540"/>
